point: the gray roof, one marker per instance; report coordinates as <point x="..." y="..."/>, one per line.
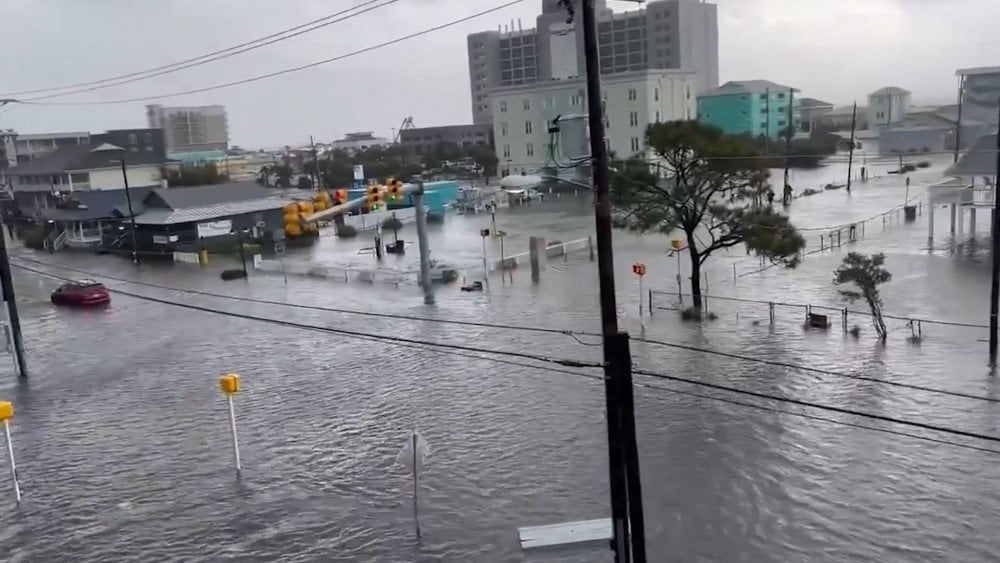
<point x="160" y="216"/>
<point x="807" y="103"/>
<point x="745" y="87"/>
<point x="81" y="157"/>
<point x="979" y="160"/>
<point x="98" y="204"/>
<point x="201" y="196"/>
<point x="890" y="91"/>
<point x="978" y="70"/>
<point x="168" y="206"/>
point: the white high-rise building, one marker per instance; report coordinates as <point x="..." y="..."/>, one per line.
<point x="665" y="34"/>
<point x="523" y="115"/>
<point x="192" y="128"/>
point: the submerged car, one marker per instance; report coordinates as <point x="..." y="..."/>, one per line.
<point x="81" y="293"/>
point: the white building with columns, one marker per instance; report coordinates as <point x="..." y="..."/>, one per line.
<point x="523" y="115"/>
<point x="970" y="186"/>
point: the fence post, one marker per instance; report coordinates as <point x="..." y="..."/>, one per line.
<point x="706" y="292"/>
<point x="650" y="302"/>
<point x="770" y="307"/>
<point x="845" y="320"/>
<point x="808" y="312"/>
<point x="822" y="246"/>
<point x="863" y="228"/>
<point x="734" y="273"/>
<point x="838" y="239"/>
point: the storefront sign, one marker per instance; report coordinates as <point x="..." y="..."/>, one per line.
<point x="215" y="228"/>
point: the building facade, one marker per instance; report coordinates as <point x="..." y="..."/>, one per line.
<point x="665" y="34"/>
<point x="980" y="94"/>
<point x="358" y="141"/>
<point x="888" y="106"/>
<point x="19" y="149"/>
<point x="192" y="128"/>
<point x="149" y="141"/>
<point x="423" y="140"/>
<point x="758" y="108"/>
<point x="523" y="115"/>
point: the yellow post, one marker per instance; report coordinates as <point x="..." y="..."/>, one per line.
<point x="230" y="385"/>
<point x="7" y="413"/>
<point x="203" y="257"/>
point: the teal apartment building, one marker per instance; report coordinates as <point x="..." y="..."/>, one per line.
<point x="759" y="108"/>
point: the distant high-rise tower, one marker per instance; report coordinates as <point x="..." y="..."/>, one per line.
<point x="666" y="34"/>
<point x="191" y="129"/>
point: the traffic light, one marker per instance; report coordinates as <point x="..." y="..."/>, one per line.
<point x="395" y="189"/>
<point x="340" y="197"/>
<point x="374" y="198"/>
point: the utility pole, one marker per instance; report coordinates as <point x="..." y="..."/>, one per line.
<point x="995" y="287"/>
<point x="767" y="124"/>
<point x="315" y="173"/>
<point x="850" y="157"/>
<point x="425" y="251"/>
<point x="788" y="135"/>
<point x="8" y="297"/>
<point x="626" y="493"/>
<point x="958" y="126"/>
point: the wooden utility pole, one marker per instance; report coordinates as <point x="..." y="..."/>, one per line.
<point x="958" y="126"/>
<point x="850" y="157"/>
<point x="995" y="267"/>
<point x="790" y="130"/>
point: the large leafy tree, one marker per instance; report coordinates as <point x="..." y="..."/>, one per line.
<point x="710" y="186"/>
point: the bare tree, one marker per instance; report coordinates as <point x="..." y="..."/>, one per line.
<point x="867" y="273"/>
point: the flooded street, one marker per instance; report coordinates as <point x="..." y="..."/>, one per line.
<point x="124" y="450"/>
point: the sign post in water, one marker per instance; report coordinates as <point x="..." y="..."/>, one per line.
<point x="639" y="269"/>
<point x="412" y="455"/>
<point x="7" y="413"/>
<point x="229" y="384"/>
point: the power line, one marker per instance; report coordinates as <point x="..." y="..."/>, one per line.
<point x="343" y="332"/>
<point x="821" y="406"/>
<point x="462" y="351"/>
<point x="285" y="71"/>
<point x="820" y="418"/>
<point x="821" y="371"/>
<point x="96" y="275"/>
<point x="198" y="58"/>
<point x="202" y="61"/>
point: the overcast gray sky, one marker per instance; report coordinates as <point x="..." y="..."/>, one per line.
<point x="836" y="50"/>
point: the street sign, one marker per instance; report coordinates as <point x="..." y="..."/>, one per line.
<point x="639" y="269"/>
<point x="279" y="247"/>
<point x="484" y="232"/>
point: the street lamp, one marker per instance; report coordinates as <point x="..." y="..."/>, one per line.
<point x="108" y="148"/>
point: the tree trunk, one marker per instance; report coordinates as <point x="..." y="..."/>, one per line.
<point x="877" y="320"/>
<point x="695" y="273"/>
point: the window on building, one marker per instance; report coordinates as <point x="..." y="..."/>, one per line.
<point x="633" y="119"/>
<point x="689" y="92"/>
<point x="632" y="94"/>
<point x="147" y="137"/>
<point x="527" y="127"/>
<point x="503" y="129"/>
<point x="575" y="100"/>
<point x="781" y="110"/>
<point x="781" y="95"/>
<point x="133" y="138"/>
<point x="781" y="123"/>
<point x="763" y="110"/>
<point x="657" y="116"/>
<point x="506" y="151"/>
<point x="763" y="97"/>
<point x="635" y="144"/>
<point x="527" y="104"/>
<point x="529" y="149"/>
<point x="503" y="107"/>
<point x="656" y="94"/>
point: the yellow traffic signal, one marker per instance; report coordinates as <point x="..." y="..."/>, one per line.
<point x="395" y="189"/>
<point x="374" y="198"/>
<point x="340" y="197"/>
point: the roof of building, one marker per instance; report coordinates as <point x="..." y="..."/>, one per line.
<point x="890" y="91"/>
<point x="201" y="196"/>
<point x="49" y="136"/>
<point x="978" y="160"/>
<point x="168" y="206"/>
<point x="81" y="157"/>
<point x="98" y="204"/>
<point x="978" y="70"/>
<point x="745" y="87"/>
<point x="806" y="103"/>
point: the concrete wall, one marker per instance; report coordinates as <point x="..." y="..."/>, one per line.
<point x="138" y="176"/>
<point x="907" y="141"/>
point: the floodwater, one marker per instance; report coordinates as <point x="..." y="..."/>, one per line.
<point x="123" y="445"/>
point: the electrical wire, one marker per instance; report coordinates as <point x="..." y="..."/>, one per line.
<point x="200" y="62"/>
<point x="198" y="58"/>
<point x="820" y="406"/>
<point x="284" y="71"/>
<point x="820" y="371"/>
<point x="342" y="332"/>
<point x="96" y="275"/>
<point x="448" y="349"/>
<point x="820" y="418"/>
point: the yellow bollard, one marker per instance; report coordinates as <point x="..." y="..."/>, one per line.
<point x="230" y="385"/>
<point x="7" y="413"/>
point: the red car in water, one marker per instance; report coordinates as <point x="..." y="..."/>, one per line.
<point x="82" y="293"/>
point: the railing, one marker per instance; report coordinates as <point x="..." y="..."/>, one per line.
<point x="55" y="241"/>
